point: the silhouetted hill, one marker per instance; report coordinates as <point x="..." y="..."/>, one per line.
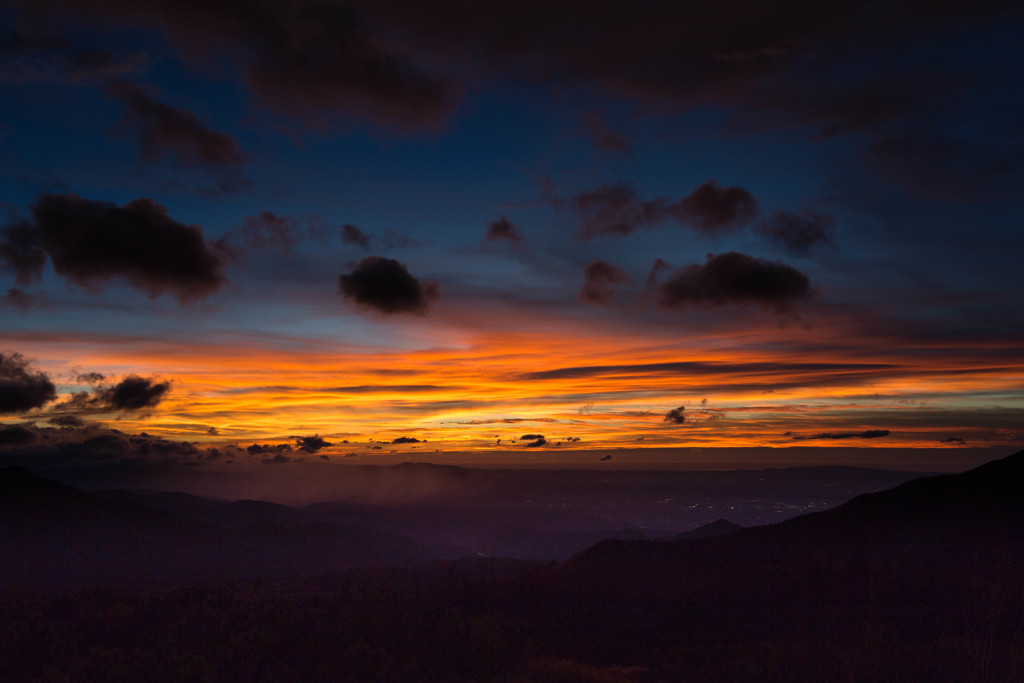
<point x="720" y="527"/>
<point x="918" y="583"/>
<point x="52" y="533"/>
<point x="956" y="521"/>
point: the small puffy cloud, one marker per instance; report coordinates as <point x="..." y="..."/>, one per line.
<point x="503" y="230"/>
<point x="734" y="278"/>
<point x="613" y="210"/>
<point x="134" y="393"/>
<point x="605" y="458"/>
<point x="407" y="439"/>
<point x="350" y="234"/>
<point x="90" y="242"/>
<point x="268" y="449"/>
<point x="599" y="281"/>
<point x="22" y="387"/>
<point x="954" y="440"/>
<point x="531" y="437"/>
<point x="676" y="416"/>
<point x="311" y="444"/>
<point x="711" y="208"/>
<point x="537" y="443"/>
<point x="131" y="393"/>
<point x="386" y="286"/>
<point x="799" y="233"/>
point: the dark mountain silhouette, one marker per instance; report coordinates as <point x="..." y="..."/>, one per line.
<point x="52" y="533"/>
<point x="959" y="513"/>
<point x="918" y="583"/>
<point x="719" y="527"/>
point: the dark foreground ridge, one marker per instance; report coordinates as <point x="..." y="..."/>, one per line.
<point x="921" y="582"/>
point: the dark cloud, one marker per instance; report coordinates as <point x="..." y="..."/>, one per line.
<point x="134" y="393"/>
<point x="868" y="434"/>
<point x="316" y="61"/>
<point x="676" y="416"/>
<point x="90" y="242"/>
<point x="503" y="230"/>
<point x="406" y="439"/>
<point x="261" y="449"/>
<point x="67" y="421"/>
<point x="278" y="459"/>
<point x="311" y="444"/>
<point x="953" y="439"/>
<point x="617" y="209"/>
<point x="350" y="234"/>
<point x="131" y="393"/>
<point x="386" y="286"/>
<point x="712" y="209"/>
<point x="540" y="441"/>
<point x="531" y="437"/>
<point x="166" y="131"/>
<point x="790" y="63"/>
<point x="613" y="210"/>
<point x="799" y="233"/>
<point x="92" y="449"/>
<point x="734" y="278"/>
<point x="22" y="387"/>
<point x="599" y="281"/>
<point x="21" y="251"/>
<point x="605" y="458"/>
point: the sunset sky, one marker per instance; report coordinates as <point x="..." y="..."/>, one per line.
<point x="410" y="229"/>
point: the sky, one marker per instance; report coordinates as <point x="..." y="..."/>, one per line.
<point x="292" y="231"/>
